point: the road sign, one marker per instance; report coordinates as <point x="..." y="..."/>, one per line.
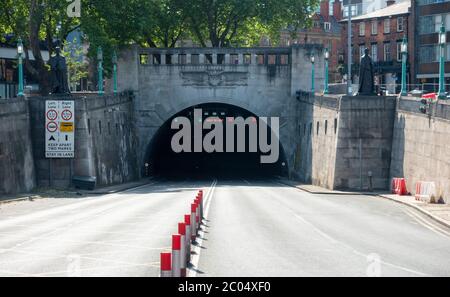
<point x="60" y="129"/>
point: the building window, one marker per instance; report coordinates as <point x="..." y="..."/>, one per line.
<point x="362" y="48"/>
<point x="362" y="29"/>
<point x="327" y="26"/>
<point x="387" y="26"/>
<point x="247" y="59"/>
<point x="387" y="52"/>
<point x="400" y="24"/>
<point x="427" y="2"/>
<point x="374" y="51"/>
<point x="428" y="54"/>
<point x="432" y="23"/>
<point x="374" y="27"/>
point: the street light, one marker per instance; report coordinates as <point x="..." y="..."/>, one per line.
<point x="313" y="70"/>
<point x="114" y="60"/>
<point x="100" y="70"/>
<point x="442" y="42"/>
<point x="327" y="57"/>
<point x="20" y="55"/>
<point x="404" y="49"/>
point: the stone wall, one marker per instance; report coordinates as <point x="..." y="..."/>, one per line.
<point x="421" y="147"/>
<point x="17" y="172"/>
<point x="317" y="135"/>
<point x="263" y="81"/>
<point x="364" y="142"/>
<point x="105" y="142"/>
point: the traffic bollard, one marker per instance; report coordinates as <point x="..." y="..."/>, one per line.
<point x="193" y="222"/>
<point x="197" y="215"/>
<point x="187" y="221"/>
<point x="166" y="265"/>
<point x="182" y="232"/>
<point x="176" y="255"/>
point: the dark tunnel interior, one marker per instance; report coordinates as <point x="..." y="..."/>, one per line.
<point x="163" y="161"/>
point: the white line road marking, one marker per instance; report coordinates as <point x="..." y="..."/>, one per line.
<point x="192" y="272"/>
<point x="423" y="222"/>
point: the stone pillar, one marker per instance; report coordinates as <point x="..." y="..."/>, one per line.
<point x="254" y="59"/>
<point x="201" y="59"/>
<point x="188" y="59"/>
<point x="227" y="59"/>
<point x="241" y="59"/>
<point x="175" y="60"/>
<point x="214" y="59"/>
<point x="163" y="58"/>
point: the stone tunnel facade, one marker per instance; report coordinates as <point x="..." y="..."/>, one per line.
<point x="263" y="81"/>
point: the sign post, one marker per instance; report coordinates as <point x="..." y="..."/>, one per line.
<point x="60" y="129"/>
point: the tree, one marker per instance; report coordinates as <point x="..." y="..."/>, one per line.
<point x="36" y="21"/>
<point x="222" y="23"/>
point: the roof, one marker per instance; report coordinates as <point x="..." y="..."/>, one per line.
<point x="394" y="9"/>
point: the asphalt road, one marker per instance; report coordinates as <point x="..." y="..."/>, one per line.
<point x="253" y="228"/>
<point x="269" y="229"/>
<point x="112" y="235"/>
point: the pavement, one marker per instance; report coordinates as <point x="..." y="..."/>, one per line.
<point x="252" y="228"/>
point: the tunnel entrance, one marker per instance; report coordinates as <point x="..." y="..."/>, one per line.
<point x="164" y="161"/>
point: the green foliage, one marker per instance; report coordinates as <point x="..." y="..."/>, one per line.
<point x="76" y="64"/>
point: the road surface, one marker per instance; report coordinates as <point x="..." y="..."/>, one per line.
<point x="253" y="228"/>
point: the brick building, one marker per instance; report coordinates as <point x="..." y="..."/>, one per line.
<point x="427" y="17"/>
<point x="382" y="32"/>
<point x="326" y="31"/>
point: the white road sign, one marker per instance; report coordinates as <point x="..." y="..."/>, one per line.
<point x="60" y="129"/>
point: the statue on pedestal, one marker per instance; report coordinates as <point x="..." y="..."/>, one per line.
<point x="58" y="73"/>
<point x="366" y="75"/>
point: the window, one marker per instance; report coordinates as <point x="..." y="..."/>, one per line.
<point x="387" y="26"/>
<point x="374" y="51"/>
<point x="327" y="26"/>
<point x="387" y="52"/>
<point x="182" y="59"/>
<point x="426" y="2"/>
<point x="362" y="48"/>
<point x="400" y="24"/>
<point x="234" y="59"/>
<point x="335" y="126"/>
<point x="260" y="59"/>
<point x="428" y="54"/>
<point x="432" y="23"/>
<point x="272" y="59"/>
<point x="284" y="59"/>
<point x="326" y="127"/>
<point x="100" y="127"/>
<point x="318" y="128"/>
<point x="362" y="29"/>
<point x="374" y="27"/>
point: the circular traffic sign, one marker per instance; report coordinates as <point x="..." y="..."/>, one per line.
<point x="66" y="115"/>
<point x="52" y="115"/>
<point x="52" y="127"/>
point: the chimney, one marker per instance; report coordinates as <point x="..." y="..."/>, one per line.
<point x="337" y="10"/>
<point x="390" y="2"/>
<point x="325" y="9"/>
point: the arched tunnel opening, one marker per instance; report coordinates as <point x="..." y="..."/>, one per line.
<point x="162" y="160"/>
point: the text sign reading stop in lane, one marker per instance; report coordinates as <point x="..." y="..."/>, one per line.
<point x="59" y="129"/>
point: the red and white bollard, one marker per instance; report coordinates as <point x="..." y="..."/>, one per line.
<point x="197" y="214"/>
<point x="176" y="255"/>
<point x="182" y="232"/>
<point x="187" y="221"/>
<point x="166" y="265"/>
<point x="193" y="222"/>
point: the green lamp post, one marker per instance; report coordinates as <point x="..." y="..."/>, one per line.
<point x="20" y="53"/>
<point x="442" y="42"/>
<point x="404" y="49"/>
<point x="313" y="73"/>
<point x="100" y="70"/>
<point x="114" y="60"/>
<point x="327" y="57"/>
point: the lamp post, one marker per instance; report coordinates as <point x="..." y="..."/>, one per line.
<point x="313" y="73"/>
<point x="114" y="60"/>
<point x="20" y="55"/>
<point x="442" y="42"/>
<point x="327" y="57"/>
<point x="404" y="90"/>
<point x="100" y="70"/>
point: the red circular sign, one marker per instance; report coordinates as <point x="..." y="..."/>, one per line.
<point x="52" y="115"/>
<point x="52" y="127"/>
<point x="66" y="115"/>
